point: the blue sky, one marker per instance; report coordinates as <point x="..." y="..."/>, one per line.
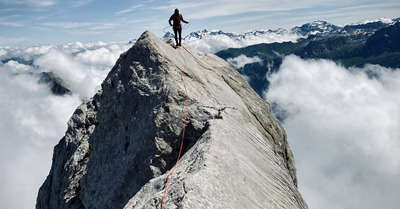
<point x="35" y="22"/>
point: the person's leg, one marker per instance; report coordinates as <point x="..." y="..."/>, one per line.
<point x="176" y="35"/>
<point x="180" y="35"/>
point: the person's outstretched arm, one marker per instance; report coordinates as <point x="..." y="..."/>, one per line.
<point x="184" y="20"/>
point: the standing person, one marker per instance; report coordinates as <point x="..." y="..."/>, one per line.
<point x="177" y="18"/>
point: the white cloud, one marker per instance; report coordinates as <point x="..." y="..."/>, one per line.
<point x="4" y="41"/>
<point x="32" y="122"/>
<point x="11" y="23"/>
<point x="211" y="44"/>
<point x="217" y="42"/>
<point x="211" y="9"/>
<point x="77" y="27"/>
<point x="131" y="9"/>
<point x="105" y="26"/>
<point x="15" y="67"/>
<point x="3" y="52"/>
<point x="79" y="3"/>
<point x="69" y="25"/>
<point x="74" y="74"/>
<point x="33" y="3"/>
<point x="241" y="60"/>
<point x="32" y="119"/>
<point x="384" y="20"/>
<point x="343" y="128"/>
<point x="42" y="3"/>
<point x="81" y="67"/>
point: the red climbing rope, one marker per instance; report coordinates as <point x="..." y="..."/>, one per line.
<point x="183" y="132"/>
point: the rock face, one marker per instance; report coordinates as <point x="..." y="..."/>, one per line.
<point x="121" y="144"/>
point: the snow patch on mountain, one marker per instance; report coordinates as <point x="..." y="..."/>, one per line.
<point x="313" y="28"/>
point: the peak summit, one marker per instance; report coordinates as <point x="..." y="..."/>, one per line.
<point x="121" y="144"/>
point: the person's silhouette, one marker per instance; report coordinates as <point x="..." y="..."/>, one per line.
<point x="176" y="18"/>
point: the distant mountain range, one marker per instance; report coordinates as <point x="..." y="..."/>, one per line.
<point x="206" y="33"/>
<point x="217" y="40"/>
<point x="246" y="35"/>
<point x="352" y="45"/>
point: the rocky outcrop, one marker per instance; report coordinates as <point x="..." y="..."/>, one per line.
<point x="54" y="83"/>
<point x="121" y="144"/>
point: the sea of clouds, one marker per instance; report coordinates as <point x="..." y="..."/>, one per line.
<point x="221" y="41"/>
<point x="33" y="120"/>
<point x="342" y="125"/>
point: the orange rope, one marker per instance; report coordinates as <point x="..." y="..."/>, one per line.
<point x="183" y="133"/>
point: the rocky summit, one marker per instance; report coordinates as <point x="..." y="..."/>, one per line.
<point x="122" y="143"/>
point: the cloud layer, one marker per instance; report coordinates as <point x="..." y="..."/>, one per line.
<point x="343" y="126"/>
<point x="33" y="119"/>
<point x="214" y="41"/>
<point x="242" y="60"/>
